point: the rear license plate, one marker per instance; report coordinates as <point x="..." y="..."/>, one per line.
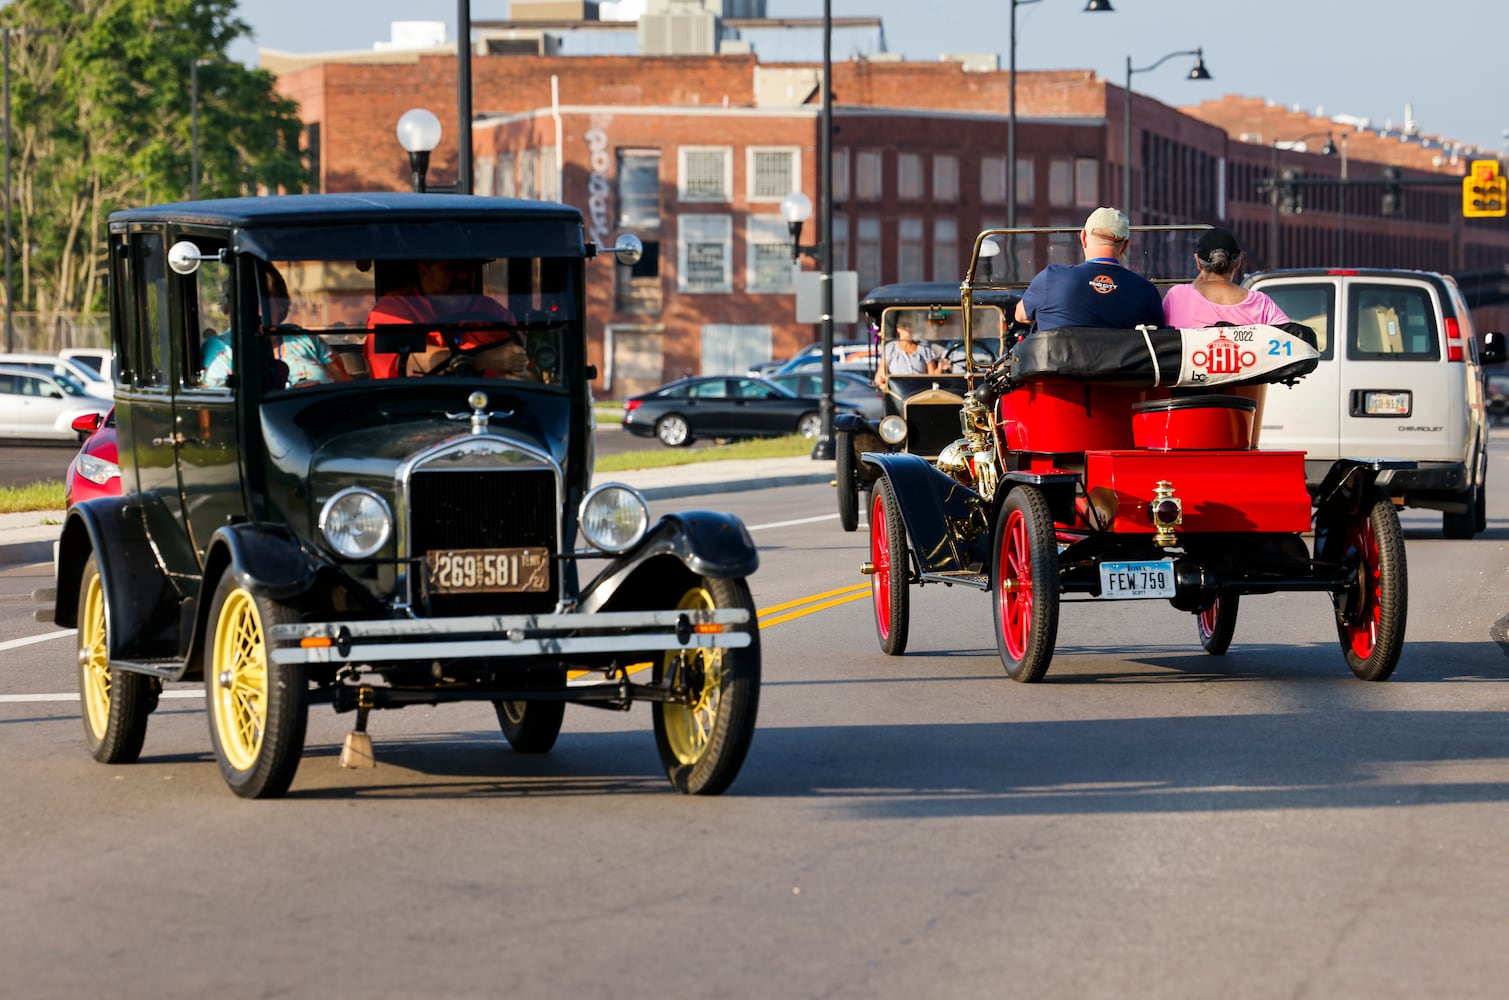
<point x="1377" y="404"/>
<point x="1127" y="580"/>
<point x="477" y="571"/>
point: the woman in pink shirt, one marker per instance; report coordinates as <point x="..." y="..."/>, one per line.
<point x="1214" y="296"/>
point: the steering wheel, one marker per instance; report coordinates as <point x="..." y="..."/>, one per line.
<point x="462" y="361"/>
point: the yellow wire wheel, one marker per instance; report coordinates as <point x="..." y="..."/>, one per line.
<point x="702" y="736"/>
<point x="257" y="709"/>
<point x="114" y="703"/>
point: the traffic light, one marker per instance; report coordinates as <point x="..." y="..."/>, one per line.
<point x="1485" y="191"/>
<point x="1290" y="201"/>
<point x="1393" y="192"/>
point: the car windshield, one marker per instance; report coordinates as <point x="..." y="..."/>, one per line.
<point x="943" y="326"/>
<point x="69" y="384"/>
<point x="324" y="321"/>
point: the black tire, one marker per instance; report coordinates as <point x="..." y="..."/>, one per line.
<point x="1025" y="582"/>
<point x="1463" y="525"/>
<point x="1377" y="609"/>
<point x="810" y="426"/>
<point x="257" y="709"/>
<point x="530" y="726"/>
<point x="890" y="564"/>
<point x="1480" y="509"/>
<point x="1217" y="624"/>
<point x="702" y="744"/>
<point x="113" y="703"/>
<point x="847" y="481"/>
<point x="673" y="431"/>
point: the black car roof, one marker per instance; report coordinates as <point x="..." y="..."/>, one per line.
<point x="313" y="209"/>
<point x="932" y="293"/>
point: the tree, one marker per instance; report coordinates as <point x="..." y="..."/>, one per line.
<point x="101" y="120"/>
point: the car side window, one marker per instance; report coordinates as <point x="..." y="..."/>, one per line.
<point x="1392" y="322"/>
<point x="717" y="389"/>
<point x="207" y="321"/>
<point x="150" y="283"/>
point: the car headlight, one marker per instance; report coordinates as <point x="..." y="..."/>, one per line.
<point x="893" y="430"/>
<point x="97" y="470"/>
<point x="614" y="517"/>
<point x="356" y="522"/>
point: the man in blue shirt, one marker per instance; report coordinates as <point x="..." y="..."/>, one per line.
<point x="1101" y="292"/>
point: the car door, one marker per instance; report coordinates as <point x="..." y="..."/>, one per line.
<point x="709" y="410"/>
<point x="1307" y="415"/>
<point x="763" y="409"/>
<point x="40" y="406"/>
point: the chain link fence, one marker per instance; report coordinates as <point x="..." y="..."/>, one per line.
<point x="38" y="332"/>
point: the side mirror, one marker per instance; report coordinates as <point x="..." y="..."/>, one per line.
<point x="184" y="257"/>
<point x="628" y="249"/>
<point x="1493" y="347"/>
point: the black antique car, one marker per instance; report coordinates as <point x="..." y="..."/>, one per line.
<point x="355" y="439"/>
<point x="920" y="411"/>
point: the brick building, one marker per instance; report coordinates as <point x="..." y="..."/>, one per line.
<point x="693" y="154"/>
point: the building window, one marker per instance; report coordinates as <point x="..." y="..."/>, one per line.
<point x="992" y="180"/>
<point x="706" y="173"/>
<point x="774" y="172"/>
<point x="1026" y="180"/>
<point x="639" y="188"/>
<point x="733" y="347"/>
<point x="487" y="175"/>
<point x="1061" y="182"/>
<point x="1086" y="183"/>
<point x="529" y="174"/>
<point x="548" y="190"/>
<point x="768" y="248"/>
<point x="867" y="252"/>
<point x="636" y="289"/>
<point x="840" y="176"/>
<point x="840" y="242"/>
<point x="909" y="252"/>
<point x="507" y="186"/>
<point x="705" y="258"/>
<point x="945" y="178"/>
<point x="946" y="250"/>
<point x="867" y="175"/>
<point x="908" y="177"/>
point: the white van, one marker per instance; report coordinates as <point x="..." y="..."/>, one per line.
<point x="1400" y="376"/>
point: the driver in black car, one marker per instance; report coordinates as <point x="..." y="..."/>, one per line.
<point x="449" y="291"/>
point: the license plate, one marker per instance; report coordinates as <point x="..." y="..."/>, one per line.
<point x="1127" y="580"/>
<point x="1386" y="403"/>
<point x="478" y="571"/>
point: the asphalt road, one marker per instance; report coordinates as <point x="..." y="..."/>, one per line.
<point x="1148" y="821"/>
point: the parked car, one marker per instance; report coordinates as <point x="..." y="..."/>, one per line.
<point x="722" y="406"/>
<point x="96" y="359"/>
<point x="843" y="351"/>
<point x="376" y="542"/>
<point x="95" y="471"/>
<point x="919" y="413"/>
<point x="88" y="378"/>
<point x="1400" y="376"/>
<point x="41" y="405"/>
<point x="1498" y="398"/>
<point x="851" y="387"/>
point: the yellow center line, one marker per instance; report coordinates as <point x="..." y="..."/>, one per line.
<point x="815" y="597"/>
<point x="851" y="598"/>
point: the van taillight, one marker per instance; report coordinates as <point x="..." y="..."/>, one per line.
<point x="1453" y="339"/>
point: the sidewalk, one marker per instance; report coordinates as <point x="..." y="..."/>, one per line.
<point x="29" y="537"/>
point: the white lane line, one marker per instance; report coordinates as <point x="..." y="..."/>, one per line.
<point x="15" y="699"/>
<point x="30" y="639"/>
<point x="788" y="524"/>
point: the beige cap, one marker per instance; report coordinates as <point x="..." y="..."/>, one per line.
<point x="1108" y="222"/>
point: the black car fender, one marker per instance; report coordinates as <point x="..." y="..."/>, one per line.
<point x="850" y="421"/>
<point x="702" y="542"/>
<point x="267" y="559"/>
<point x="141" y="603"/>
<point x="947" y="523"/>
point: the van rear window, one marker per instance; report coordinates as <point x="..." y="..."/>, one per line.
<point x="1391" y="323"/>
<point x="1313" y="305"/>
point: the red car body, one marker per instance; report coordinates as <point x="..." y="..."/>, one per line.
<point x="95" y="471"/>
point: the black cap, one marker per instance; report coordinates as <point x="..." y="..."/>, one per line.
<point x="1217" y="239"/>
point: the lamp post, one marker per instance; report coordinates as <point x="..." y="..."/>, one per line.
<point x="1094" y="6"/>
<point x="796" y="209"/>
<point x="1273" y="187"/>
<point x="989" y="251"/>
<point x="419" y="133"/>
<point x="1341" y="203"/>
<point x="1197" y="72"/>
<point x="6" y="33"/>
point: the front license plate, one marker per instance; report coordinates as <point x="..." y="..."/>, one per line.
<point x="1127" y="580"/>
<point x="476" y="571"/>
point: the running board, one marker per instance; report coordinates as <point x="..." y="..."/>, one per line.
<point x="979" y="581"/>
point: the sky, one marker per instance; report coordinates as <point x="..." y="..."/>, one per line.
<point x="1365" y="58"/>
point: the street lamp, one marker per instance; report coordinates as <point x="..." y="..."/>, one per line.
<point x="1094" y="6"/>
<point x="1197" y="72"/>
<point x="10" y="329"/>
<point x="989" y="251"/>
<point x="796" y="209"/>
<point x="1329" y="149"/>
<point x="419" y="133"/>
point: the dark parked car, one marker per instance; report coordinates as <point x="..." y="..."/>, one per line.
<point x="920" y="413"/>
<point x="722" y="406"/>
<point x="369" y="511"/>
<point x="848" y="387"/>
<point x="95" y="471"/>
<point x="844" y="351"/>
<point x="1498" y="398"/>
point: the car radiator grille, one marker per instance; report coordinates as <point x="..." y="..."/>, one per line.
<point x="483" y="509"/>
<point x="931" y="428"/>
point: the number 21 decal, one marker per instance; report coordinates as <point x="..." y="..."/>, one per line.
<point x="1281" y="347"/>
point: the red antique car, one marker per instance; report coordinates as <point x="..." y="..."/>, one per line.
<point x="1119" y="464"/>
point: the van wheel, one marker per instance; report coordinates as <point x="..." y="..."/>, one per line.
<point x="1480" y="509"/>
<point x="1463" y="525"/>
